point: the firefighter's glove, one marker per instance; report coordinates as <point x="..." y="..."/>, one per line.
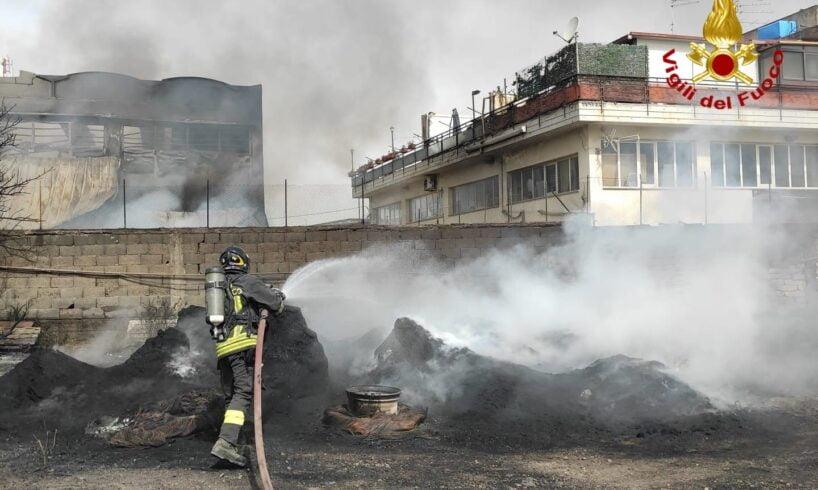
<point x="281" y="297"/>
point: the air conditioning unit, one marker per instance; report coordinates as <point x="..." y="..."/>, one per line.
<point x="430" y="183"/>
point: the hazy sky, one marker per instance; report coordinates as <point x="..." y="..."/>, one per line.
<point x="336" y="73"/>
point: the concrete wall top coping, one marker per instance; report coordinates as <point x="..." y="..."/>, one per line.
<point x="281" y="229"/>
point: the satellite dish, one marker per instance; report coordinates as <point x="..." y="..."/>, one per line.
<point x="570" y="34"/>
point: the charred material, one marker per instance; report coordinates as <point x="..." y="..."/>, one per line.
<point x="457" y="381"/>
<point x="70" y="393"/>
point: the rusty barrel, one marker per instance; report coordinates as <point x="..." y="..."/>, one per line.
<point x="367" y="400"/>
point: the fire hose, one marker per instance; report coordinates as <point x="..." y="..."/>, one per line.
<point x="266" y="484"/>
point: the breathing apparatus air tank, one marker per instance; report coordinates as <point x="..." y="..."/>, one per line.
<point x="215" y="296"/>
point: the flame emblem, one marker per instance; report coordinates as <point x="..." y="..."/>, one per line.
<point x="723" y="30"/>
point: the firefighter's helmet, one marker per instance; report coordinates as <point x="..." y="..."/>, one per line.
<point x="234" y="259"/>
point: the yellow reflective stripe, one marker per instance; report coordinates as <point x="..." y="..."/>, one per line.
<point x="235" y="417"/>
<point x="238" y="341"/>
<point x="233" y="346"/>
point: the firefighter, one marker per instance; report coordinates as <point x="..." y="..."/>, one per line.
<point x="245" y="297"/>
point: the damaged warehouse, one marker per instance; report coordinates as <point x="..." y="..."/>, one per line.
<point x="166" y="149"/>
<point x="597" y="282"/>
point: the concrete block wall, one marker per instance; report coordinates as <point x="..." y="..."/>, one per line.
<point x="95" y="292"/>
<point x="78" y="272"/>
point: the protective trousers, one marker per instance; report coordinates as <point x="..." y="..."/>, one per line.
<point x="236" y="371"/>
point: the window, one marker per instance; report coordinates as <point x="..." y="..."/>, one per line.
<point x="426" y="207"/>
<point x="717" y="164"/>
<point x="666" y="162"/>
<point x="610" y="164"/>
<point x="628" y="165"/>
<point x="765" y="164"/>
<point x="387" y="215"/>
<point x="793" y="65"/>
<point x="764" y="64"/>
<point x="635" y="164"/>
<point x="811" y="65"/>
<point x="812" y="166"/>
<point x="526" y="184"/>
<point x="797" y="173"/>
<point x="574" y="166"/>
<point x="732" y="165"/>
<point x="684" y="164"/>
<point x="647" y="157"/>
<point x="782" y="166"/>
<point x="749" y="165"/>
<point x="551" y="178"/>
<point x="476" y="196"/>
<point x="559" y="176"/>
<point x="800" y="63"/>
<point x="563" y="175"/>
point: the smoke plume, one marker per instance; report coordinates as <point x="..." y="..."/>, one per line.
<point x="697" y="299"/>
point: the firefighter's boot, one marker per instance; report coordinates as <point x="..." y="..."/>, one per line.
<point x="228" y="452"/>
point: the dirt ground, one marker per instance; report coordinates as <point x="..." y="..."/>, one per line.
<point x="507" y="427"/>
<point x="773" y="448"/>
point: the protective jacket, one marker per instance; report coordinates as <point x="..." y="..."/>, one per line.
<point x="246" y="297"/>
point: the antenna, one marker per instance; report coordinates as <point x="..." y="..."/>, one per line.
<point x="610" y="139"/>
<point x="674" y="4"/>
<point x="569" y="34"/>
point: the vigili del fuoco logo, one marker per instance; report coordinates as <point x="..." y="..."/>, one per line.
<point x="722" y="31"/>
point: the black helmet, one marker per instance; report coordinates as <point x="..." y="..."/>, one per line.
<point x="234" y="259"/>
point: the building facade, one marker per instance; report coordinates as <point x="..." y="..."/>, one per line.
<point x="604" y="131"/>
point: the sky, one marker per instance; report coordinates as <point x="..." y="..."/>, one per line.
<point x="336" y="74"/>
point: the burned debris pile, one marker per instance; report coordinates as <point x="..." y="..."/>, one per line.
<point x="458" y="381"/>
<point x="620" y="387"/>
<point x="159" y="423"/>
<point x="377" y="425"/>
<point x="163" y="390"/>
<point x="296" y="373"/>
<point x="168" y="387"/>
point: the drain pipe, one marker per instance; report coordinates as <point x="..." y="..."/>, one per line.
<point x="266" y="484"/>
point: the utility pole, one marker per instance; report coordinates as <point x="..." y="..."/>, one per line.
<point x="352" y="164"/>
<point x="473" y="113"/>
<point x="285" y="203"/>
<point x="363" y="200"/>
<point x="392" y="130"/>
<point x="124" y="206"/>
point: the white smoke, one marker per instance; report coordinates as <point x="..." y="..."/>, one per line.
<point x="110" y="346"/>
<point x="183" y="362"/>
<point x="696" y="299"/>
